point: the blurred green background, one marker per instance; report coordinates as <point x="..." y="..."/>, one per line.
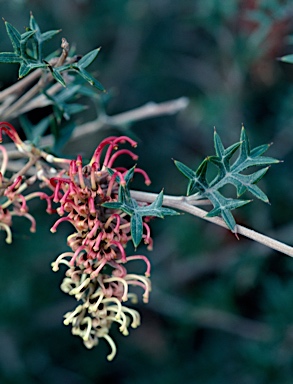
<point x="221" y="310"/>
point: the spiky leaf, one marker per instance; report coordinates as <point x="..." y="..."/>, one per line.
<point x="228" y="173"/>
<point x="130" y="206"/>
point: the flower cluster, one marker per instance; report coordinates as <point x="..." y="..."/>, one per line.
<point x="96" y="264"/>
<point x="12" y="200"/>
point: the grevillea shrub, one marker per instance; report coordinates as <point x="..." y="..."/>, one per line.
<point x="96" y="197"/>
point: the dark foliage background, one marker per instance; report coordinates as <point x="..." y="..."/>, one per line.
<point x="221" y="310"/>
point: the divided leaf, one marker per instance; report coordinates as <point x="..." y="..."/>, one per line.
<point x="27" y="51"/>
<point x="228" y="173"/>
<point x="130" y="206"/>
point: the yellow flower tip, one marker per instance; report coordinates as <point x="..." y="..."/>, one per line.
<point x="88" y="344"/>
<point x="66" y="322"/>
<point x="8" y="233"/>
<point x="147" y="274"/>
<point x="53" y="230"/>
<point x="55" y="267"/>
<point x="124" y="331"/>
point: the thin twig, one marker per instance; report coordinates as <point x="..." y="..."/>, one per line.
<point x="181" y="204"/>
<point x="25" y="168"/>
<point x="9" y="112"/>
<point x="40" y="101"/>
<point x="20" y="85"/>
<point x="146" y="111"/>
<point x="143" y="112"/>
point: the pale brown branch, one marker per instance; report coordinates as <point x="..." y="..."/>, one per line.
<point x="146" y="111"/>
<point x="20" y="85"/>
<point x="143" y="112"/>
<point x="181" y="204"/>
<point x="40" y="101"/>
<point x="10" y="111"/>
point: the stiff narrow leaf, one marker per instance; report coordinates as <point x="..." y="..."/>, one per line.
<point x="87" y="59"/>
<point x="136" y="227"/>
<point x="14" y="37"/>
<point x="90" y="79"/>
<point x="9" y="57"/>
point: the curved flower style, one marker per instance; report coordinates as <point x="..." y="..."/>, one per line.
<point x="96" y="274"/>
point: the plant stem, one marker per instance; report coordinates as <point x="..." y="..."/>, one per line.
<point x="181" y="203"/>
<point x="20" y="85"/>
<point x="9" y="113"/>
<point x="146" y="111"/>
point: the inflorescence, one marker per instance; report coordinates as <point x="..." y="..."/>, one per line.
<point x="97" y="264"/>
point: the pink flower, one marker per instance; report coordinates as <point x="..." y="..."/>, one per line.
<point x="97" y="264"/>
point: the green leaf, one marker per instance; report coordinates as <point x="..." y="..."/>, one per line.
<point x="14" y="37"/>
<point x="260" y="150"/>
<point x="186" y="171"/>
<point x="229" y="219"/>
<point x="26" y="67"/>
<point x="130" y="206"/>
<point x="62" y="136"/>
<point x="40" y="38"/>
<point x="34" y="132"/>
<point x="34" y="25"/>
<point x="129" y="175"/>
<point x="136" y="226"/>
<point x="23" y="45"/>
<point x="229" y="172"/>
<point x="71" y="109"/>
<point x="112" y="205"/>
<point x="27" y="47"/>
<point x="57" y="76"/>
<point x="45" y="36"/>
<point x="26" y="36"/>
<point x="9" y="57"/>
<point x="90" y="79"/>
<point x="287" y="59"/>
<point x="197" y="180"/>
<point x="248" y="158"/>
<point x="87" y="59"/>
<point x="223" y="206"/>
